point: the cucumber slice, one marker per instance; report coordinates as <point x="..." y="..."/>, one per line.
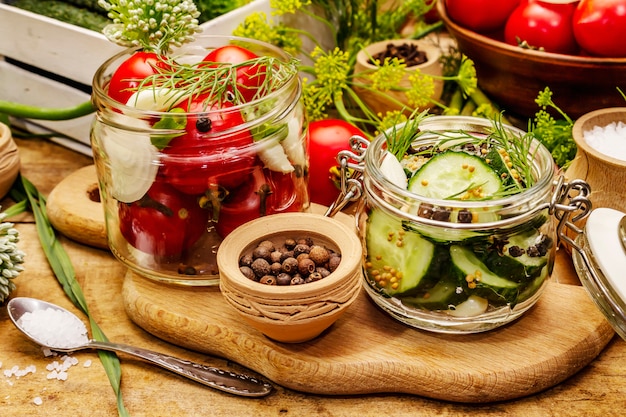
<point x="497" y="158"/>
<point x="455" y="175"/>
<point x="480" y="280"/>
<point x="444" y="294"/>
<point x="448" y="235"/>
<point x="509" y="263"/>
<point x="397" y="260"/>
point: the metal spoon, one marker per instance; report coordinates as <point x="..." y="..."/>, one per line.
<point x="223" y="380"/>
<point x="622" y="232"/>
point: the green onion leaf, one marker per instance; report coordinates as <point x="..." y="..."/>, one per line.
<point x="27" y="195"/>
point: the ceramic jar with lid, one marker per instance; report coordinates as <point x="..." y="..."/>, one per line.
<point x="175" y="181"/>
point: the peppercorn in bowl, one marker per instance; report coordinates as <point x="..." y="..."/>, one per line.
<point x="291" y="275"/>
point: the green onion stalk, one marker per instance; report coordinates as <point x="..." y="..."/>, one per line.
<point x="24" y="111"/>
<point x="27" y="197"/>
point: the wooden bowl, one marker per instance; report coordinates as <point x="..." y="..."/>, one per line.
<point x="605" y="174"/>
<point x="9" y="160"/>
<point x="513" y="77"/>
<point x="381" y="104"/>
<point x="293" y="313"/>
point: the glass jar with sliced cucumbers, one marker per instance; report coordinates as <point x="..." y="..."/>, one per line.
<point x="456" y="222"/>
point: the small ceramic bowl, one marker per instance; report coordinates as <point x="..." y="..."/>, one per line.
<point x="432" y="67"/>
<point x="291" y="313"/>
<point x="513" y="77"/>
<point x="9" y="160"/>
<point x="604" y="172"/>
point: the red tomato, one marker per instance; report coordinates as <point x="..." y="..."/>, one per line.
<point x="129" y="75"/>
<point x="203" y="158"/>
<point x="600" y="27"/>
<point x="432" y="15"/>
<point x="164" y="222"/>
<point x="263" y="193"/>
<point x="249" y="77"/>
<point x="325" y="139"/>
<point x="542" y="24"/>
<point x="480" y="15"/>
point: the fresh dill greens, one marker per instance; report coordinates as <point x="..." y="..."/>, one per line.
<point x="516" y="151"/>
<point x="555" y="134"/>
<point x="400" y="137"/>
<point x="218" y="81"/>
<point x="330" y="86"/>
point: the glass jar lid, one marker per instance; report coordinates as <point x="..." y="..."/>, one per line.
<point x="600" y="262"/>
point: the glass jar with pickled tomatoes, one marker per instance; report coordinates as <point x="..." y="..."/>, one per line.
<point x="191" y="145"/>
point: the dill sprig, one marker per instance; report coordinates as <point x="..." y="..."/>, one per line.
<point x="219" y="81"/>
<point x="520" y="150"/>
<point x="555" y="134"/>
<point x="401" y="136"/>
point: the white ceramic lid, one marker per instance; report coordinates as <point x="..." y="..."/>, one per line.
<point x="604" y="273"/>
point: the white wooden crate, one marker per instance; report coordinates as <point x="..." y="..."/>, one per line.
<point x="73" y="53"/>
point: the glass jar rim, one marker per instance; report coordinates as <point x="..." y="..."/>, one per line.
<point x="100" y="77"/>
<point x="543" y="166"/>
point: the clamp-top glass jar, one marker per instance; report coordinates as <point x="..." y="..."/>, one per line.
<point x="178" y="174"/>
<point x="459" y="264"/>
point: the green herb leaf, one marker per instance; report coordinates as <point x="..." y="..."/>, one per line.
<point x="27" y="195"/>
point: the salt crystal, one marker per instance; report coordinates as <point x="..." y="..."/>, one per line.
<point x="609" y="140"/>
<point x="87" y="363"/>
<point x="54" y="328"/>
<point x="37" y="401"/>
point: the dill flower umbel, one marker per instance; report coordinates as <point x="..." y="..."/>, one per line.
<point x="330" y="86"/>
<point x="154" y="25"/>
<point x="11" y="258"/>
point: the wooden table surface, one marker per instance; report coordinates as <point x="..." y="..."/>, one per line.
<point x="599" y="389"/>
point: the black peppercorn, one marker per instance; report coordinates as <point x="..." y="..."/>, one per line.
<point x="319" y="254"/>
<point x="306" y="266"/>
<point x="248" y="272"/>
<point x="260" y="267"/>
<point x="290" y="265"/>
<point x="268" y="280"/>
<point x="204" y="124"/>
<point x="283" y="279"/>
<point x="300" y="249"/>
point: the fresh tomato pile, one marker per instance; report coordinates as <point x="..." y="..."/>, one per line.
<point x="221" y="163"/>
<point x="585" y="27"/>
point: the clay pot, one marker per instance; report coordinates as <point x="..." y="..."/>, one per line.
<point x="378" y="102"/>
<point x="291" y="313"/>
<point x="9" y="160"/>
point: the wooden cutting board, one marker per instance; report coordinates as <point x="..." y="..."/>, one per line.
<point x="367" y="351"/>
